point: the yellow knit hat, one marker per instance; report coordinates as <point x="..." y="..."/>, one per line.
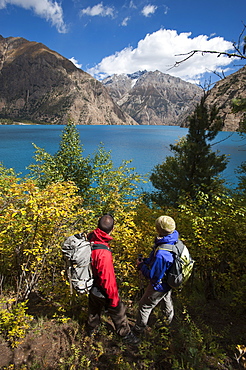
<point x="165" y="225"/>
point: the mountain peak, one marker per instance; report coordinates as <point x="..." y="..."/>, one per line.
<point x="153" y="98"/>
<point x="136" y="75"/>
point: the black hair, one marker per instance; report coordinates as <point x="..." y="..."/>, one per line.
<point x="106" y="223"/>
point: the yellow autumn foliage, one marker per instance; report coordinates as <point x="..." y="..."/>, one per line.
<point x="33" y="224"/>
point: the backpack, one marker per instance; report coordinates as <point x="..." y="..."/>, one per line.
<point x="182" y="266"/>
<point x="77" y="255"/>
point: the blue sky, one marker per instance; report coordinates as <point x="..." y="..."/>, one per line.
<point x="124" y="36"/>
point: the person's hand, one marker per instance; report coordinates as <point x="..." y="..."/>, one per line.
<point x="139" y="263"/>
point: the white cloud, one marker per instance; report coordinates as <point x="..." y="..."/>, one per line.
<point x="148" y="10"/>
<point x="98" y="10"/>
<point x="132" y="5"/>
<point x="166" y="9"/>
<point x="47" y="9"/>
<point x="75" y="62"/>
<point x="159" y="51"/>
<point x="125" y="21"/>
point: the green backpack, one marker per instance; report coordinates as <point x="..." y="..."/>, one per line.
<point x="181" y="269"/>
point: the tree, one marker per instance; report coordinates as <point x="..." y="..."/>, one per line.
<point x="241" y="171"/>
<point x="103" y="187"/>
<point x="112" y="189"/>
<point x="67" y="164"/>
<point x="194" y="167"/>
<point x="239" y="105"/>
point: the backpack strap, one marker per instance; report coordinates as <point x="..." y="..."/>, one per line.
<point x="167" y="247"/>
<point x="100" y="246"/>
<point x="176" y="248"/>
<point x="80" y="236"/>
<point x="93" y="246"/>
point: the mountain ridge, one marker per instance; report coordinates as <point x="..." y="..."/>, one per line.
<point x="153" y="98"/>
<point x="36" y="83"/>
<point x="222" y="95"/>
<point x="40" y="85"/>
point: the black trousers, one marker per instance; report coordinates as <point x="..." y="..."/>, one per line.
<point x="117" y="314"/>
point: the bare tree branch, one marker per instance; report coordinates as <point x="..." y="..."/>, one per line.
<point x="236" y="54"/>
<point x="219" y="53"/>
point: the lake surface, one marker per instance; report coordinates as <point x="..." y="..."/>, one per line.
<point x="146" y="146"/>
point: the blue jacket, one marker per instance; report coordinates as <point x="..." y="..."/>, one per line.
<point x="155" y="267"/>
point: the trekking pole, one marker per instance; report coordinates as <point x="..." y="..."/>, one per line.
<point x="70" y="280"/>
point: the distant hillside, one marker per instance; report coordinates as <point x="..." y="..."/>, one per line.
<point x="38" y="84"/>
<point x="153" y="98"/>
<point x="222" y="94"/>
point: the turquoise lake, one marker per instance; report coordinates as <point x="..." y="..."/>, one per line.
<point x="146" y="146"/>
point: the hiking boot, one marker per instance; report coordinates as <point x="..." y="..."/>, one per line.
<point x="137" y="330"/>
<point x="131" y="339"/>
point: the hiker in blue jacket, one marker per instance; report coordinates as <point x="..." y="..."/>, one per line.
<point x="154" y="269"/>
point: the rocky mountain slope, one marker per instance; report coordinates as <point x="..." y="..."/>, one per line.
<point x="38" y="84"/>
<point x="153" y="98"/>
<point x="222" y="94"/>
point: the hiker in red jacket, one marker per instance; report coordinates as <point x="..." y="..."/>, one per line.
<point x="104" y="293"/>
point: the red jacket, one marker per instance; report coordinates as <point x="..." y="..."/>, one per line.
<point x="102" y="267"/>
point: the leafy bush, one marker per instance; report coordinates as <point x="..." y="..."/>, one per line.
<point x="14" y="322"/>
<point x="33" y="223"/>
<point x="215" y="235"/>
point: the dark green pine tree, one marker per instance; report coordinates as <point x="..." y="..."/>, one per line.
<point x="193" y="167"/>
<point x="239" y="105"/>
